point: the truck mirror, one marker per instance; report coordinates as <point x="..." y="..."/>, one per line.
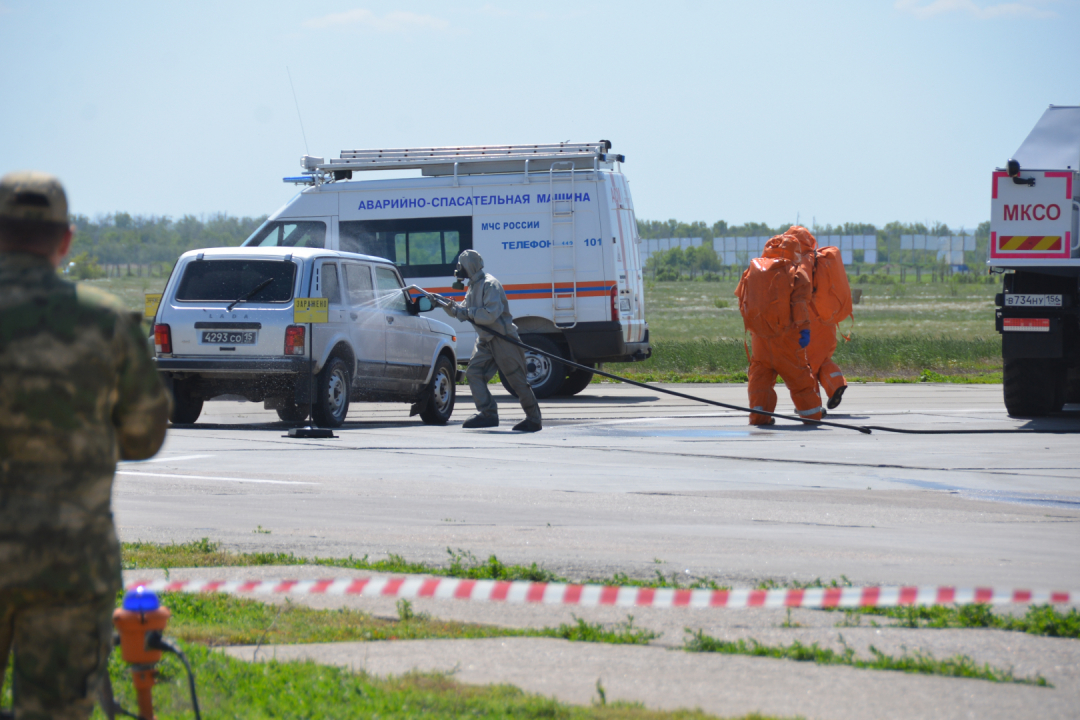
<point x="1013" y="168"/>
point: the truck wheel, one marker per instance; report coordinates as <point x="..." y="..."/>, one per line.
<point x="289" y="411"/>
<point x="186" y="405"/>
<point x="545" y="375"/>
<point x="332" y="387"/>
<point x="1033" y="387"/>
<point x="576" y="381"/>
<point x="441" y="394"/>
<point x="1072" y="386"/>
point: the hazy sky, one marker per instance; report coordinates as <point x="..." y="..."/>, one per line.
<point x="834" y="110"/>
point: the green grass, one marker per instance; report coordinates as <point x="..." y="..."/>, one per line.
<point x="230" y="688"/>
<point x="921" y="663"/>
<point x="463" y="564"/>
<point x="922" y="358"/>
<point x="1038" y="620"/>
<point x="220" y="619"/>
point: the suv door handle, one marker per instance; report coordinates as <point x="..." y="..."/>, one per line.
<point x="354" y="316"/>
<point x="390" y="319"/>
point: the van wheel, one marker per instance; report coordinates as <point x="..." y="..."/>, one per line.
<point x="289" y="411"/>
<point x="545" y="375"/>
<point x="576" y="381"/>
<point x="1033" y="387"/>
<point x="186" y="405"/>
<point x="440" y="394"/>
<point x="332" y="394"/>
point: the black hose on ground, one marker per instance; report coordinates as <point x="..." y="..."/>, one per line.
<point x="864" y="429"/>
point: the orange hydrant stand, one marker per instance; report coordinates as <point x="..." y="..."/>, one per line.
<point x="133" y="625"/>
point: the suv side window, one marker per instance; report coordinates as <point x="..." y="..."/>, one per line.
<point x="389" y="283"/>
<point x="358" y="282"/>
<point x="330" y="286"/>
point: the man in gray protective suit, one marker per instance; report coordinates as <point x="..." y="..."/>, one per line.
<point x="485" y="304"/>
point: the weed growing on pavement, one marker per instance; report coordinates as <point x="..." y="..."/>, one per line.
<point x="921" y="663"/>
<point x="799" y="585"/>
<point x="620" y="634"/>
<point x="1037" y="620"/>
<point x="237" y="689"/>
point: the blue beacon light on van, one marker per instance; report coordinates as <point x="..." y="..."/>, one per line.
<point x="300" y="180"/>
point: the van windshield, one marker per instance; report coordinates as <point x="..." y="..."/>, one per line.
<point x="289" y="233"/>
<point x="227" y="280"/>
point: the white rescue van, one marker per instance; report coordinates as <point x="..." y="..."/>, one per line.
<point x="554" y="223"/>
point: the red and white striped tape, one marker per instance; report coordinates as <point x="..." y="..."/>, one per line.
<point x="594" y="595"/>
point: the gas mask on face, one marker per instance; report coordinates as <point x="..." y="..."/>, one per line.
<point x="460" y="274"/>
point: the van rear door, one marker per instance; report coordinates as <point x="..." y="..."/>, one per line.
<point x="630" y="302"/>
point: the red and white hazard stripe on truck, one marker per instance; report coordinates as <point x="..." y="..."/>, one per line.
<point x="598" y="595"/>
<point x="1025" y="324"/>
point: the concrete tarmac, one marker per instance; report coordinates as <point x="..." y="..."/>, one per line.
<point x="624" y="480"/>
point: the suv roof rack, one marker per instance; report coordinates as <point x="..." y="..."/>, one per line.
<point x="469" y="160"/>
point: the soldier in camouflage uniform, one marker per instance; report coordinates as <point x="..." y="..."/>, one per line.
<point x="77" y="391"/>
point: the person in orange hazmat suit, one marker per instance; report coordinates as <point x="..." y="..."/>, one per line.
<point x="774" y="297"/>
<point x="828" y="301"/>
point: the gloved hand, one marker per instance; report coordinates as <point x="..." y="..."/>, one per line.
<point x="804" y="338"/>
<point x="451" y="309"/>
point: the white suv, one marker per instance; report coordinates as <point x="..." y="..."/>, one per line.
<point x="225" y="326"/>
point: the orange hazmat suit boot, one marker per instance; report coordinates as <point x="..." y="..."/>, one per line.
<point x="819" y="353"/>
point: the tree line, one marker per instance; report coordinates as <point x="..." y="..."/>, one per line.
<point x="122" y="239"/>
<point x="704" y="262"/>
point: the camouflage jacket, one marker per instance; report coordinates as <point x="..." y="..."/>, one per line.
<point x="77" y="391"/>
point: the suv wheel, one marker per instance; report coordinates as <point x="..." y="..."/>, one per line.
<point x="440" y="394"/>
<point x="332" y="387"/>
<point x="545" y="375"/>
<point x="289" y="411"/>
<point x="186" y="405"/>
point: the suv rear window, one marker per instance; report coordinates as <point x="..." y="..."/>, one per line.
<point x="228" y="280"/>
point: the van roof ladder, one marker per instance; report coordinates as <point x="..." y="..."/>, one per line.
<point x="472" y="160"/>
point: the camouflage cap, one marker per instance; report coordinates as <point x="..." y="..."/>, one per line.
<point x="33" y="196"/>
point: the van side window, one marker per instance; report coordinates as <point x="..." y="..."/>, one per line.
<point x="289" y="233"/>
<point x="419" y="247"/>
<point x="358" y="281"/>
<point x="388" y="284"/>
<point x="331" y="288"/>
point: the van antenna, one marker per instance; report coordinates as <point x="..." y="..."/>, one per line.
<point x="300" y="117"/>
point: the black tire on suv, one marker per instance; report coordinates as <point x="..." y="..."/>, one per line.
<point x="332" y="386"/>
<point x="546" y="375"/>
<point x="1033" y="387"/>
<point x="187" y="406"/>
<point x="440" y="394"/>
<point x="289" y="411"/>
